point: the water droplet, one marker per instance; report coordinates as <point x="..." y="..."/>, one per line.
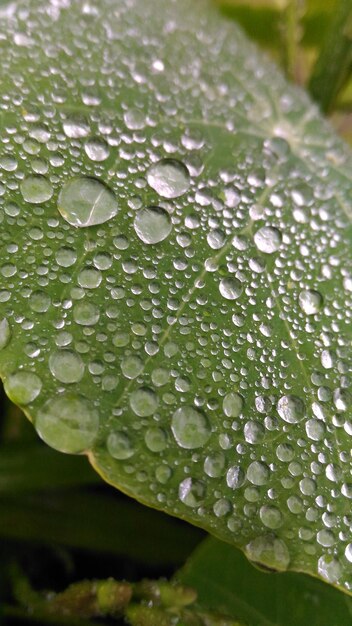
<point x="65" y="257"/>
<point x="39" y="301"/>
<point x="258" y="473"/>
<point x="89" y="278"/>
<point x="67" y="366"/>
<point x="310" y="301"/>
<point x="190" y="428"/>
<point x="268" y="239"/>
<point x="131" y="366"/>
<point x="191" y="492"/>
<point x="36" y="189"/>
<point x="85" y="201"/>
<point x="169" y="178"/>
<point x="235" y="477"/>
<point x="119" y="446"/>
<point x="230" y="288"/>
<point x="23" y="387"/>
<point x="68" y="423"/>
<point x="85" y="313"/>
<point x="155" y="439"/>
<point x="5" y="333"/>
<point x="232" y="404"/>
<point x="152" y="224"/>
<point x="75" y="127"/>
<point x="254" y="432"/>
<point x="143" y="402"/>
<point x="270" y="551"/>
<point x="329" y="568"/>
<point x="291" y="409"/>
<point x="214" y="465"/>
<point x="97" y="149"/>
<point x="270" y="516"/>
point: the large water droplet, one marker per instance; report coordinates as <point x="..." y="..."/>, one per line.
<point x="329" y="568"/>
<point x="36" y="189"/>
<point x="291" y="409"/>
<point x="86" y="313"/>
<point x="152" y="224"/>
<point x="119" y="446"/>
<point x="268" y="239"/>
<point x="85" y="201"/>
<point x="68" y="423"/>
<point x="67" y="366"/>
<point x="169" y="178"/>
<point x="270" y="516"/>
<point x="23" y="387"/>
<point x="155" y="439"/>
<point x="190" y="428"/>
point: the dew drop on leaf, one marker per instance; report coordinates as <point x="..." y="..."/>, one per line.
<point x="5" y="333"/>
<point x="36" y="189"/>
<point x="23" y="387"/>
<point x="291" y="409"/>
<point x="119" y="446"/>
<point x="85" y="201"/>
<point x="190" y="427"/>
<point x="143" y="402"/>
<point x="67" y="366"/>
<point x="268" y="239"/>
<point x="310" y="301"/>
<point x="68" y="423"/>
<point x="169" y="178"/>
<point x="230" y="288"/>
<point x="152" y="224"/>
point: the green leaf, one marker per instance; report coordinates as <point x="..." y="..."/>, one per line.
<point x="223" y="578"/>
<point x="176" y="261"/>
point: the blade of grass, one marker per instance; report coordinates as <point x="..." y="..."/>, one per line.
<point x="334" y="64"/>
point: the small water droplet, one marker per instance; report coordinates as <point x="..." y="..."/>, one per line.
<point x="67" y="366"/>
<point x="85" y="201"/>
<point x="22" y="387"/>
<point x="190" y="427"/>
<point x="68" y="423"/>
<point x="152" y="224"/>
<point x="36" y="189"/>
<point x="268" y="239"/>
<point x="169" y="178"/>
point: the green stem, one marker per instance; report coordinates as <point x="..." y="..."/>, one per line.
<point x="291" y="15"/>
<point x="334" y="64"/>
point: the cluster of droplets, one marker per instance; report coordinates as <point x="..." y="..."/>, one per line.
<point x="186" y="321"/>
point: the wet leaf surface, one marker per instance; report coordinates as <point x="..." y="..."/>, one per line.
<point x="176" y="271"/>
